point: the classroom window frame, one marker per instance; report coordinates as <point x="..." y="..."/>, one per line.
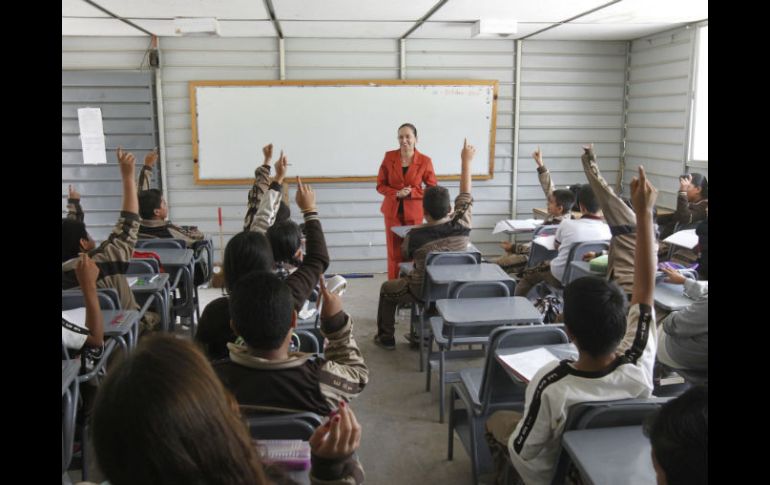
<point x="697" y="150"/>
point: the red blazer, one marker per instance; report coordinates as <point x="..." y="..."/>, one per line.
<point x="391" y="179"/>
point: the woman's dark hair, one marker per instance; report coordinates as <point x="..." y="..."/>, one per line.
<point x="163" y="416"/>
<point x="410" y="126"/>
<point x="246" y="252"/>
<point x="700" y="180"/>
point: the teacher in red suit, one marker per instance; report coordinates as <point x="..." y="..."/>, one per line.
<point x="404" y="175"/>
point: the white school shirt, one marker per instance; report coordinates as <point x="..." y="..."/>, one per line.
<point x="573" y="231"/>
<point x="73" y="340"/>
<point x="535" y="444"/>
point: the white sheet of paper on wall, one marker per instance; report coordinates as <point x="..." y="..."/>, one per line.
<point x="92" y="136"/>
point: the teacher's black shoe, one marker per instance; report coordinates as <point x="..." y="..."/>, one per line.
<point x="385" y="343"/>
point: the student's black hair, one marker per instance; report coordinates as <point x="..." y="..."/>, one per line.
<point x="595" y="313"/>
<point x="588" y="199"/>
<point x="246" y="252"/>
<point x="410" y="126"/>
<point x="283" y="213"/>
<point x="149" y="200"/>
<point x="679" y="437"/>
<point x="261" y="309"/>
<point x="700" y="180"/>
<point x="564" y="198"/>
<point x="702" y="231"/>
<point x="72" y="232"/>
<point x="285" y="238"/>
<point x="435" y="201"/>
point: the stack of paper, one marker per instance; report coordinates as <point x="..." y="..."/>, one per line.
<point x="686" y="239"/>
<point x="525" y="364"/>
<point x="517" y="225"/>
<point x="546" y="241"/>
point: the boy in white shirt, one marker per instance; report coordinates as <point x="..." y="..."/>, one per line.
<point x="590" y="227"/>
<point x="616" y="356"/>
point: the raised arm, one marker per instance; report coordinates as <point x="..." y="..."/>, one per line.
<point x="145" y="174"/>
<point x="264" y="217"/>
<point x="261" y="185"/>
<point x="74" y="210"/>
<point x="126" y="160"/>
<point x="685" y="214"/>
<point x="643" y="196"/>
<point x="87" y="272"/>
<point x="466" y="155"/>
<point x="543" y="175"/>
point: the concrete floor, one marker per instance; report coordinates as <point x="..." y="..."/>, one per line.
<point x="403" y="442"/>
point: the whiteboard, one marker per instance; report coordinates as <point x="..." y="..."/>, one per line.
<point x="337" y="130"/>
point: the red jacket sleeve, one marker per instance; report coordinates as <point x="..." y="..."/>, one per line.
<point x="383" y="184"/>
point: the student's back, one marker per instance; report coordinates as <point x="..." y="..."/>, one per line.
<point x="573" y="231"/>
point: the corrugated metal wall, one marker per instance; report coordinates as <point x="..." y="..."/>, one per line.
<point x="104" y="74"/>
<point x="571" y="94"/>
<point x="659" y="97"/>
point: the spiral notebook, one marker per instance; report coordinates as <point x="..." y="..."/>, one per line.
<point x="290" y="454"/>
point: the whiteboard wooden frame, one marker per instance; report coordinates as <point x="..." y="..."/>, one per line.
<point x="368" y="82"/>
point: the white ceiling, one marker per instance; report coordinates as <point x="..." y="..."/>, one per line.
<point x="624" y="20"/>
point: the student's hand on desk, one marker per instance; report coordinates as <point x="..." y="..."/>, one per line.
<point x="332" y="303"/>
<point x="280" y="168"/>
<point x="305" y="196"/>
<point x="86" y="271"/>
<point x="73" y="194"/>
<point x="643" y="194"/>
<point x="151" y="158"/>
<point x="507" y="246"/>
<point x="126" y="160"/>
<point x="267" y="151"/>
<point x="673" y="276"/>
<point x="339" y="437"/>
<point x="589" y="256"/>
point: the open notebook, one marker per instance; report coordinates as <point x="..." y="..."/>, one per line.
<point x="525" y="364"/>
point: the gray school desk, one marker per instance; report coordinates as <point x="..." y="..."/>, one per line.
<point x="174" y="260"/>
<point x="69" y="371"/>
<point x="401" y="231"/>
<point x="583" y="268"/>
<point x="69" y="394"/>
<point x="123" y="325"/>
<point x="611" y="456"/>
<point x="157" y="287"/>
<point x="502" y="309"/>
<point x="671" y="297"/>
<point x="444" y="277"/>
<point x="561" y="351"/>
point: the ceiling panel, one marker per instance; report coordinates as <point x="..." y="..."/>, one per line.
<point x="377" y="30"/>
<point x="372" y="10"/>
<point x="520" y="10"/>
<point x="650" y="12"/>
<point x="98" y="27"/>
<point x="227" y="28"/>
<point x="602" y="31"/>
<point x="221" y="9"/>
<point x="79" y="8"/>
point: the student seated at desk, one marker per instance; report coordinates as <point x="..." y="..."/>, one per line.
<point x="560" y="204"/>
<point x="251" y="251"/>
<point x="74" y="336"/>
<point x="616" y="351"/>
<point x="164" y="417"/>
<point x="113" y="255"/>
<point x="683" y="342"/>
<point x="692" y="203"/>
<point x="262" y="371"/>
<point x="679" y="437"/>
<point x="442" y="232"/>
<point x="590" y="227"/>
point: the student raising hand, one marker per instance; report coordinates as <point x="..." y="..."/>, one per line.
<point x="151" y="158"/>
<point x="332" y="303"/>
<point x="305" y="197"/>
<point x="280" y="168"/>
<point x="127" y="160"/>
<point x="73" y="194"/>
<point x="267" y="151"/>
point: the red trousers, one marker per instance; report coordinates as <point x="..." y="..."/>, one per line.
<point x="394" y="245"/>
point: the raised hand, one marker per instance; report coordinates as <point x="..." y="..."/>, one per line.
<point x="538" y="156"/>
<point x="73" y="194"/>
<point x="86" y="271"/>
<point x="332" y="303"/>
<point x="684" y="182"/>
<point x="281" y="168"/>
<point x="305" y="196"/>
<point x="467" y="153"/>
<point x="151" y="158"/>
<point x="588" y="153"/>
<point x="643" y="194"/>
<point x="267" y="151"/>
<point x="339" y="437"/>
<point x="127" y="162"/>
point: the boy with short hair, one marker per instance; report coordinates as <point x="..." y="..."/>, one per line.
<point x="595" y="319"/>
<point x="262" y="372"/>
